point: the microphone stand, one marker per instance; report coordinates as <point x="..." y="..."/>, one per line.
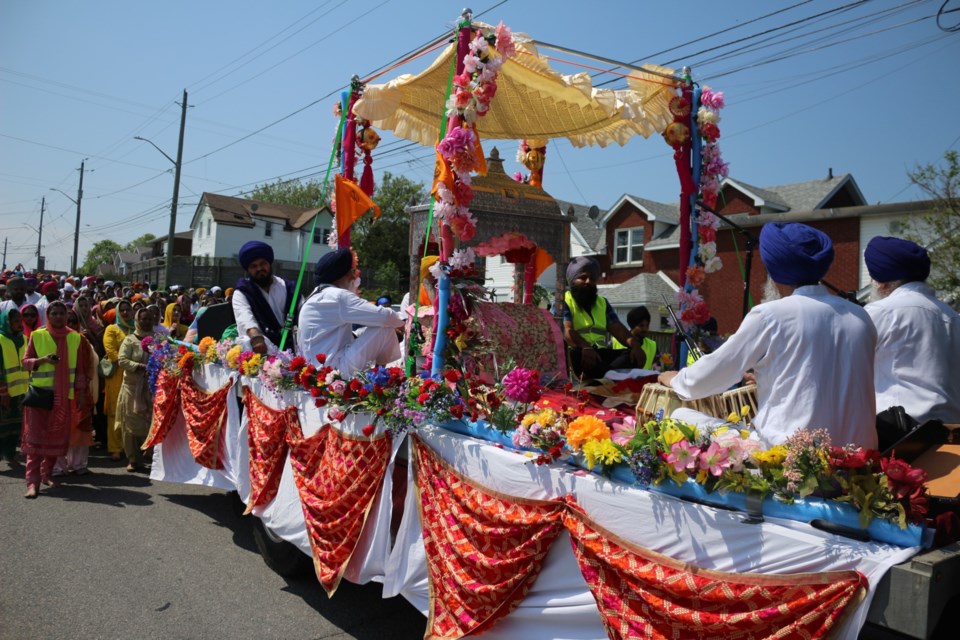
<point x="692" y="346"/>
<point x="750" y="242"/>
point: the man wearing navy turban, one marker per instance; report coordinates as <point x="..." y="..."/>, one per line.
<point x="333" y="310"/>
<point x="591" y="327"/>
<point x="811" y="351"/>
<point x="261" y="300"/>
<point x="918" y="336"/>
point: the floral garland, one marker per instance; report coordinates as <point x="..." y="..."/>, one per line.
<point x="166" y="355"/>
<point x="474" y="88"/>
<point x="693" y="308"/>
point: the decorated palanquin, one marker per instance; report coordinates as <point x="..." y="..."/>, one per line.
<point x="491" y="542"/>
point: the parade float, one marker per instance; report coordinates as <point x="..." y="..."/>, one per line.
<point x="526" y="510"/>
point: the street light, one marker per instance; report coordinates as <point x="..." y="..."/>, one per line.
<point x="168" y="267"/>
<point x="76" y="233"/>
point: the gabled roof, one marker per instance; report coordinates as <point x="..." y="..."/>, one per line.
<point x="129" y="257"/>
<point x="658" y="211"/>
<point x="308" y="216"/>
<point x="669" y="240"/>
<point x="800" y="196"/>
<point x="645" y="287"/>
<point x="241" y="212"/>
<point x="587" y="228"/>
<point x="761" y="197"/>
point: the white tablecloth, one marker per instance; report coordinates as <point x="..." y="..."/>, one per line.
<point x="559" y="605"/>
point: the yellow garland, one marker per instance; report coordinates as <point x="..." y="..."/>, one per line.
<point x="584" y="429"/>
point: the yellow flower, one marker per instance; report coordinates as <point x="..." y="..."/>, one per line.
<point x="232" y="356"/>
<point x="671" y="435"/>
<point x="744" y="411"/>
<point x="733" y="417"/>
<point x="601" y="452"/>
<point x="252" y="365"/>
<point x="584" y="429"/>
<point x="774" y="455"/>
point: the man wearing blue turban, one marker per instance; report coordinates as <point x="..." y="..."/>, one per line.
<point x="811" y="351"/>
<point x="261" y="300"/>
<point x="918" y="336"/>
<point x="334" y="310"/>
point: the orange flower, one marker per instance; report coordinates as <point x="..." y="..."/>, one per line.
<point x="205" y="344"/>
<point x="695" y="276"/>
<point x="586" y="429"/>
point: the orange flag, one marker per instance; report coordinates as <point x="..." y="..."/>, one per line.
<point x="478" y="150"/>
<point x="541" y="260"/>
<point x="352" y="203"/>
<point x="441" y="173"/>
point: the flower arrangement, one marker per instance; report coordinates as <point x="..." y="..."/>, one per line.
<point x="515" y="247"/>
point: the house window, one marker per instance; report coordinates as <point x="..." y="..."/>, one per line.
<point x="209" y="220"/>
<point x="320" y="236"/>
<point x="628" y="246"/>
<point x="268" y="230"/>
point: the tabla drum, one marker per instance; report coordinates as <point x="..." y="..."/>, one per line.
<point x="656" y="396"/>
<point x="735" y="399"/>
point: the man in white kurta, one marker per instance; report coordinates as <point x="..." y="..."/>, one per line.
<point x="333" y="309"/>
<point x="918" y="347"/>
<point x="811" y="352"/>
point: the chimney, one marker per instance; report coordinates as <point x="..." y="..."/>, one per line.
<point x="830" y="173"/>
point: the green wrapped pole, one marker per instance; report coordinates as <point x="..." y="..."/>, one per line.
<point x="288" y="322"/>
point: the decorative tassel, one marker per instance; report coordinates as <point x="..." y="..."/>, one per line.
<point x="366" y="179"/>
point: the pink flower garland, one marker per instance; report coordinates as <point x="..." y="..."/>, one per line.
<point x="474" y="89"/>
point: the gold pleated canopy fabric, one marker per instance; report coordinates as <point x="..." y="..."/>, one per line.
<point x="533" y="101"/>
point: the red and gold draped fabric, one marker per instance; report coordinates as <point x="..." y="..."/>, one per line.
<point x="338" y="477"/>
<point x="206" y="416"/>
<point x="484" y="550"/>
<point x="643" y="594"/>
<point x="267" y="440"/>
<point x="166" y="403"/>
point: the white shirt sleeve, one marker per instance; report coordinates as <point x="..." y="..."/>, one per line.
<point x="356" y="310"/>
<point x="718" y="371"/>
<point x="243" y="314"/>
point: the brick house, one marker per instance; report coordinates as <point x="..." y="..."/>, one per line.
<point x="639" y="241"/>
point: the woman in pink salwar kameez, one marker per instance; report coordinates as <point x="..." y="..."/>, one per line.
<point x="46" y="433"/>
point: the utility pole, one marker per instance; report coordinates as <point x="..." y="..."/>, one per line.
<point x="4" y="254"/>
<point x="43" y="204"/>
<point x="176" y="194"/>
<point x="76" y="233"/>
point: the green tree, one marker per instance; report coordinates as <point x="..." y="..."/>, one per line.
<point x="299" y="193"/>
<point x="939" y="230"/>
<point x="101" y="252"/>
<point x="386" y="240"/>
<point x="142" y="241"/>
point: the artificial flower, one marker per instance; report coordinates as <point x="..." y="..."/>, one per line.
<point x="584" y="429"/>
<point x="601" y="452"/>
<point x="683" y="455"/>
<point x="523" y="385"/>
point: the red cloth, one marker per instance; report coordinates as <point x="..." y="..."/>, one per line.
<point x="642" y="594"/>
<point x="484" y="551"/>
<point x="338" y="478"/>
<point x="267" y="440"/>
<point x="166" y="403"/>
<point x="206" y="416"/>
<point x="586" y="406"/>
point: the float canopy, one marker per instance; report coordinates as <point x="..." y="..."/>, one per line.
<point x="533" y="101"/>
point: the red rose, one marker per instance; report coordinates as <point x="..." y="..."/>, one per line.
<point x="321" y="358"/>
<point x="363" y="393"/>
<point x="902" y="479"/>
<point x="451" y="375"/>
<point x="422" y="398"/>
<point x="368" y="430"/>
<point x="320" y="402"/>
<point x="457" y="411"/>
<point x="315" y="392"/>
<point x="298" y="363"/>
<point x="355" y="385"/>
<point x="378" y="390"/>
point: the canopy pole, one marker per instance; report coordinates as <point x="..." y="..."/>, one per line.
<point x="682" y="77"/>
<point x="350" y="146"/>
<point x="682" y="159"/>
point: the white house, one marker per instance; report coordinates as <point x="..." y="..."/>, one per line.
<point x="222" y="224"/>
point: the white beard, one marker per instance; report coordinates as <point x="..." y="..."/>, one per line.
<point x="770" y="291"/>
<point x="876" y="293"/>
<point x="355" y="286"/>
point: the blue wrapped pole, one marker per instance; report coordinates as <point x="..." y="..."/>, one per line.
<point x="443" y="306"/>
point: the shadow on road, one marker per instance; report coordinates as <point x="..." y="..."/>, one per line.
<point x="220" y="508"/>
<point x="361" y="611"/>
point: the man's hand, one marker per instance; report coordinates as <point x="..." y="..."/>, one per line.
<point x="666" y="378"/>
<point x="258" y="344"/>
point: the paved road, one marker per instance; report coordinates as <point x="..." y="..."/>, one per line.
<point x="113" y="555"/>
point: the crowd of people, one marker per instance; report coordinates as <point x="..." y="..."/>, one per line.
<point x="73" y="357"/>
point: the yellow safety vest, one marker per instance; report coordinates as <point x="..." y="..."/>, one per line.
<point x="44" y="345"/>
<point x="17" y="378"/>
<point x="592" y="327"/>
<point x="649" y="348"/>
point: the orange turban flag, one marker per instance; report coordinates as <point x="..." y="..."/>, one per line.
<point x="441" y="173"/>
<point x="541" y="260"/>
<point x="352" y="203"/>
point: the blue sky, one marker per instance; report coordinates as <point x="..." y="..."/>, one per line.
<point x="865" y="90"/>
